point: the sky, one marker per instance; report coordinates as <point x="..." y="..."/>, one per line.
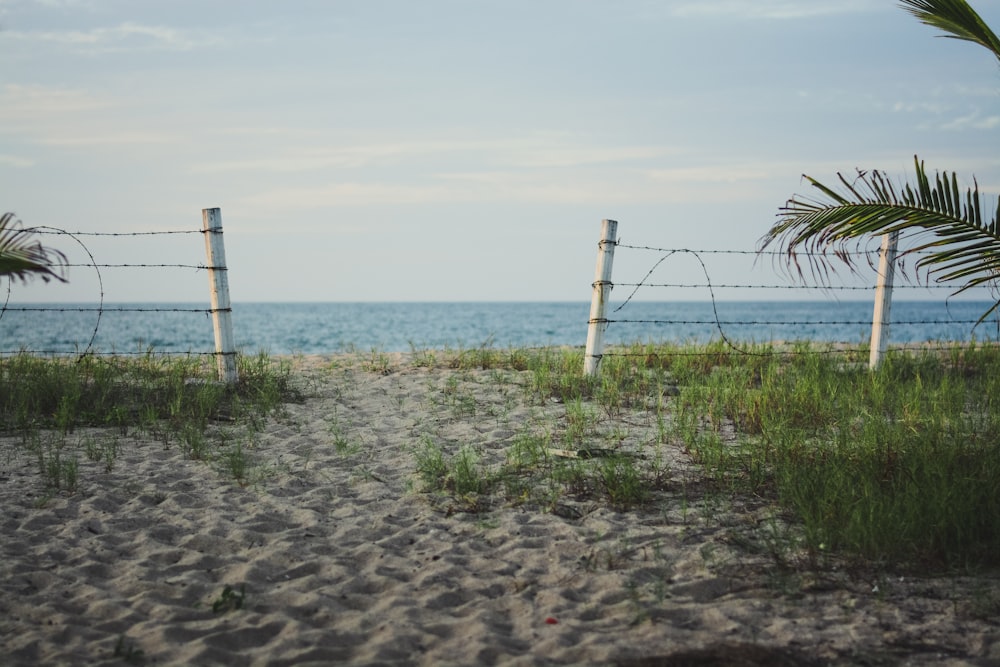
<point x="460" y="150"/>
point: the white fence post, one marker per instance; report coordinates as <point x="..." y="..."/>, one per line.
<point x="218" y="277"/>
<point x="602" y="290"/>
<point x="883" y="299"/>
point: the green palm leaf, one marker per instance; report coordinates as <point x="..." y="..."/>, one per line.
<point x="22" y="257"/>
<point x="952" y="240"/>
<point x="955" y="18"/>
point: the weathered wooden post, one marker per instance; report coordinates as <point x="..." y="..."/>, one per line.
<point x="218" y="278"/>
<point x="602" y="290"/>
<point x="883" y="299"/>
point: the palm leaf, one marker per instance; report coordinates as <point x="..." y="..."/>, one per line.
<point x="956" y="19"/>
<point x="22" y="257"/>
<point x="951" y="239"/>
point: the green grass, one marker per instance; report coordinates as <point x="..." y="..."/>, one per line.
<point x="897" y="465"/>
<point x="44" y="401"/>
<point x="901" y="464"/>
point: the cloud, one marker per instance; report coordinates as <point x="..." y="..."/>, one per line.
<point x="530" y="152"/>
<point x="26" y="102"/>
<point x="60" y="4"/>
<point x="15" y="161"/>
<point x="561" y="156"/>
<point x="483" y="188"/>
<point x="614" y="185"/>
<point x="531" y="186"/>
<point x="713" y="174"/>
<point x="767" y="9"/>
<point x="65" y="117"/>
<point x="919" y="107"/>
<point x="973" y="120"/>
<point x="346" y="194"/>
<point x="127" y="36"/>
<point x="310" y="158"/>
<point x="117" y="138"/>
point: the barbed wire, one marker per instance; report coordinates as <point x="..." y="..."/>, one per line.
<point x="100" y="281"/>
<point x="626" y="246"/>
<point x="777" y="253"/>
<point x="112" y="309"/>
<point x="789" y="322"/>
<point x="818" y="288"/>
<point x="718" y="323"/>
<point x="50" y="230"/>
<point x="96" y="353"/>
<point x="150" y="266"/>
<point x="101" y="309"/>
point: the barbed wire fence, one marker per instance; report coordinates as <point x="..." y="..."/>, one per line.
<point x="219" y="309"/>
<point x="632" y="311"/>
<point x="733" y="332"/>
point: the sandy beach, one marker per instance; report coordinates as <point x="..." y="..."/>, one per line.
<point x="333" y="553"/>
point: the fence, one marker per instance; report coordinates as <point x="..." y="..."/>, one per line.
<point x="220" y="309"/>
<point x="880" y="324"/>
<point x="562" y="322"/>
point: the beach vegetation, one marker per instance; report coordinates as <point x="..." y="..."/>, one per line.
<point x="894" y="464"/>
<point x="237" y="462"/>
<point x="230" y="599"/>
<point x="461" y="476"/>
<point x="431" y="466"/>
<point x="341" y="438"/>
<point x="899" y="464"/>
<point x="378" y="362"/>
<point x="64" y="410"/>
<point x="58" y="468"/>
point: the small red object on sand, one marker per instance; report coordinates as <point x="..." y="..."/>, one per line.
<point x="551" y="621"/>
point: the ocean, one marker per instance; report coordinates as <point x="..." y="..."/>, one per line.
<point x="322" y="328"/>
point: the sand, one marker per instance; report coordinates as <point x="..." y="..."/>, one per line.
<point x="333" y="553"/>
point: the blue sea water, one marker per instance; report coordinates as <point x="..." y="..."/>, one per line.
<point x="318" y="328"/>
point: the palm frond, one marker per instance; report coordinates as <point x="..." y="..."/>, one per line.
<point x="22" y="257"/>
<point x="951" y="239"/>
<point x="957" y="19"/>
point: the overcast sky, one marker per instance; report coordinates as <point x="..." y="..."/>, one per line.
<point x="457" y="150"/>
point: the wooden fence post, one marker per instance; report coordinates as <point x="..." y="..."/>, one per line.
<point x="602" y="290"/>
<point x="883" y="299"/>
<point x="218" y="277"/>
